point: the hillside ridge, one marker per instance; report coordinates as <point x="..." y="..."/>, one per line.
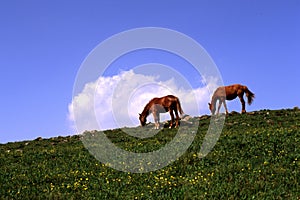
<point x="257" y="156"/>
<point x="165" y="123"/>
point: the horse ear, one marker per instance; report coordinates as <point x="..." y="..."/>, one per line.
<point x="209" y="104"/>
<point x="139" y="114"/>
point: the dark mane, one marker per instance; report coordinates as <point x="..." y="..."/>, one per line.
<point x="147" y="108"/>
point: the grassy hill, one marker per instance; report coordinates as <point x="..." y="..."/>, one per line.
<point x="256" y="157"/>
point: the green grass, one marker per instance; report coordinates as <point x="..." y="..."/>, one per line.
<point x="256" y="157"/>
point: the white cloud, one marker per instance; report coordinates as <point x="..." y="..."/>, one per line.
<point x="114" y="102"/>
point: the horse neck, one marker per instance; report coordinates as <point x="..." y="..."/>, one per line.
<point x="145" y="112"/>
<point x="214" y="100"/>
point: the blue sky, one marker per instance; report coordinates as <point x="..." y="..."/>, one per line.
<point x="43" y="44"/>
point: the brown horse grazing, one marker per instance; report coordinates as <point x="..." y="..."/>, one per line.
<point x="164" y="104"/>
<point x="229" y="93"/>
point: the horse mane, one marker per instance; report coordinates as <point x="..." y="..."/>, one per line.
<point x="215" y="97"/>
<point x="147" y="108"/>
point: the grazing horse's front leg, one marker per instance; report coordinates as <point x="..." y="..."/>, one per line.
<point x="172" y="118"/>
<point x="177" y="118"/>
<point x="156" y="120"/>
<point x="219" y="106"/>
<point x="222" y="100"/>
<point x="225" y="105"/>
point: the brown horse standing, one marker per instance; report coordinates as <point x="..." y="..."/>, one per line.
<point x="229" y="93"/>
<point x="164" y="104"/>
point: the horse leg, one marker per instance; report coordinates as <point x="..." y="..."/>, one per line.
<point x="243" y="103"/>
<point x="172" y="118"/>
<point x="177" y="118"/>
<point x="222" y="100"/>
<point x="225" y="105"/>
<point x="219" y="106"/>
<point x="156" y="120"/>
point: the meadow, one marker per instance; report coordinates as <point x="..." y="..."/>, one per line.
<point x="256" y="157"/>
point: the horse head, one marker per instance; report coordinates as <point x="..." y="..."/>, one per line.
<point x="142" y="119"/>
<point x="212" y="108"/>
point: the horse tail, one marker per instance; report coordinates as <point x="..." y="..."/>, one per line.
<point x="250" y="95"/>
<point x="179" y="107"/>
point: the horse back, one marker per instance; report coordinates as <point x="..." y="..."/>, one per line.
<point x="229" y="92"/>
<point x="166" y="102"/>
